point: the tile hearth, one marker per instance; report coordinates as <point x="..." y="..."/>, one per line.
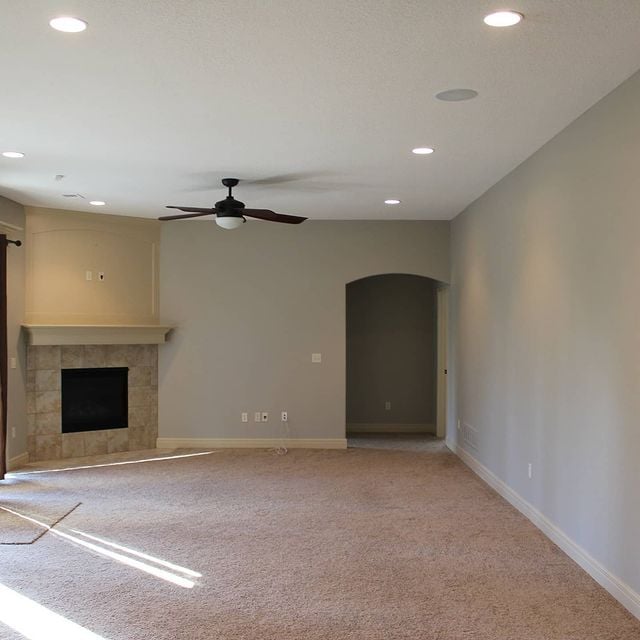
<point x="44" y="364"/>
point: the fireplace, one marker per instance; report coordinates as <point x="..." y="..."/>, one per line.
<point x="138" y="364"/>
<point x="94" y="399"/>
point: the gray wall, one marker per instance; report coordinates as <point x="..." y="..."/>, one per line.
<point x="391" y="350"/>
<point x="252" y="305"/>
<point x="546" y="345"/>
<point x="13" y="213"/>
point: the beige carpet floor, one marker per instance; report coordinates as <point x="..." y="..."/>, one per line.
<point x="366" y="544"/>
<point x="27" y="511"/>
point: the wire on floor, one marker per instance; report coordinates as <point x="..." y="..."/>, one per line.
<point x="282" y="449"/>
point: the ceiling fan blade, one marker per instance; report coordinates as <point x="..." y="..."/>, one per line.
<point x="193" y="209"/>
<point x="283" y="178"/>
<point x="272" y="216"/>
<point x="194" y="212"/>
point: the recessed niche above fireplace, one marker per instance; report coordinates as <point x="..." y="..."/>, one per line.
<point x="94" y="399"/>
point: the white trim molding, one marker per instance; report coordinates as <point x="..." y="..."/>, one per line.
<point x="621" y="591"/>
<point x="379" y="427"/>
<point x="60" y="334"/>
<point x="251" y="443"/>
<point x="17" y="461"/>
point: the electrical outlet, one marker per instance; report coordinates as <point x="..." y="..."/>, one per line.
<point x="284" y="416"/>
<point x="530" y="470"/>
<point x="387" y="405"/>
<point x="244" y="417"/>
<point x="257" y="416"/>
<point x="316" y="357"/>
<point x="265" y="416"/>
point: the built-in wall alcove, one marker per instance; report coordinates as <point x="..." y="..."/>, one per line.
<point x="395" y="361"/>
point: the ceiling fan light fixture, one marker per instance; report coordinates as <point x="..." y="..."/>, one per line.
<point x="230" y="222"/>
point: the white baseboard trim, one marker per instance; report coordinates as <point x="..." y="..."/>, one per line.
<point x="251" y="443"/>
<point x="17" y="461"/>
<point x="394" y="427"/>
<point x="622" y="592"/>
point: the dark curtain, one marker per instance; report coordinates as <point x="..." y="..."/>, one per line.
<point x="3" y="355"/>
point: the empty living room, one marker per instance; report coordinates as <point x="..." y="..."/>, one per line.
<point x="319" y="320"/>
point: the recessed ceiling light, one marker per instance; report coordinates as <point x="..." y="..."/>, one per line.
<point x="13" y="154"/>
<point x="392" y="201"/>
<point x="97" y="203"/>
<point x="68" y="24"/>
<point x="456" y="95"/>
<point x="503" y="18"/>
<point x="423" y="151"/>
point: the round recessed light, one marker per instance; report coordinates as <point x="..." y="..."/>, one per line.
<point x="13" y="154"/>
<point x="97" y="203"/>
<point x="392" y="201"/>
<point x="423" y="151"/>
<point x="68" y="24"/>
<point x="503" y="18"/>
<point x="457" y="95"/>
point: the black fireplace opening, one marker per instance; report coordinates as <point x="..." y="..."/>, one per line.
<point x="94" y="399"/>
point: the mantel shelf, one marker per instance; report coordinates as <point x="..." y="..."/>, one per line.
<point x="62" y="334"/>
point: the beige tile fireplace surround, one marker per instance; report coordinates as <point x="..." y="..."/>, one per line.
<point x="44" y="364"/>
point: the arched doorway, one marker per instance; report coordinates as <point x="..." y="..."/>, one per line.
<point x="396" y="355"/>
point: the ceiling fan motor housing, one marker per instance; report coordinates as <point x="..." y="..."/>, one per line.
<point x="229" y="206"/>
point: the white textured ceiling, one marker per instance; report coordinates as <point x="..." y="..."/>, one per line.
<point x="159" y="99"/>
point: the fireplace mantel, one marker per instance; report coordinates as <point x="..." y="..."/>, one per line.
<point x="84" y="334"/>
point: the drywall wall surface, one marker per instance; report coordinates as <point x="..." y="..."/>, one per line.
<point x="545" y="335"/>
<point x="392" y="350"/>
<point x="252" y="305"/>
<point x="65" y="248"/>
<point x="13" y="214"/>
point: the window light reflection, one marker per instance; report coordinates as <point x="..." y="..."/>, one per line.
<point x="35" y="622"/>
<point x="131" y="562"/>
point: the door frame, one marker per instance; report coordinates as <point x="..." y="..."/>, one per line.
<point x="442" y="367"/>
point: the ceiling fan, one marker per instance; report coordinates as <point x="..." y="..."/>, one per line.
<point x="230" y="213"/>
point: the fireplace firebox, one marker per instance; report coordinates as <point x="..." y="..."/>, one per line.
<point x="94" y="399"/>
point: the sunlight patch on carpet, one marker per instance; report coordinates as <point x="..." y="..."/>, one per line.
<point x="140" y="554"/>
<point x="36" y="622"/>
<point x="15" y="528"/>
<point x="111" y="464"/>
<point x="119" y="557"/>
